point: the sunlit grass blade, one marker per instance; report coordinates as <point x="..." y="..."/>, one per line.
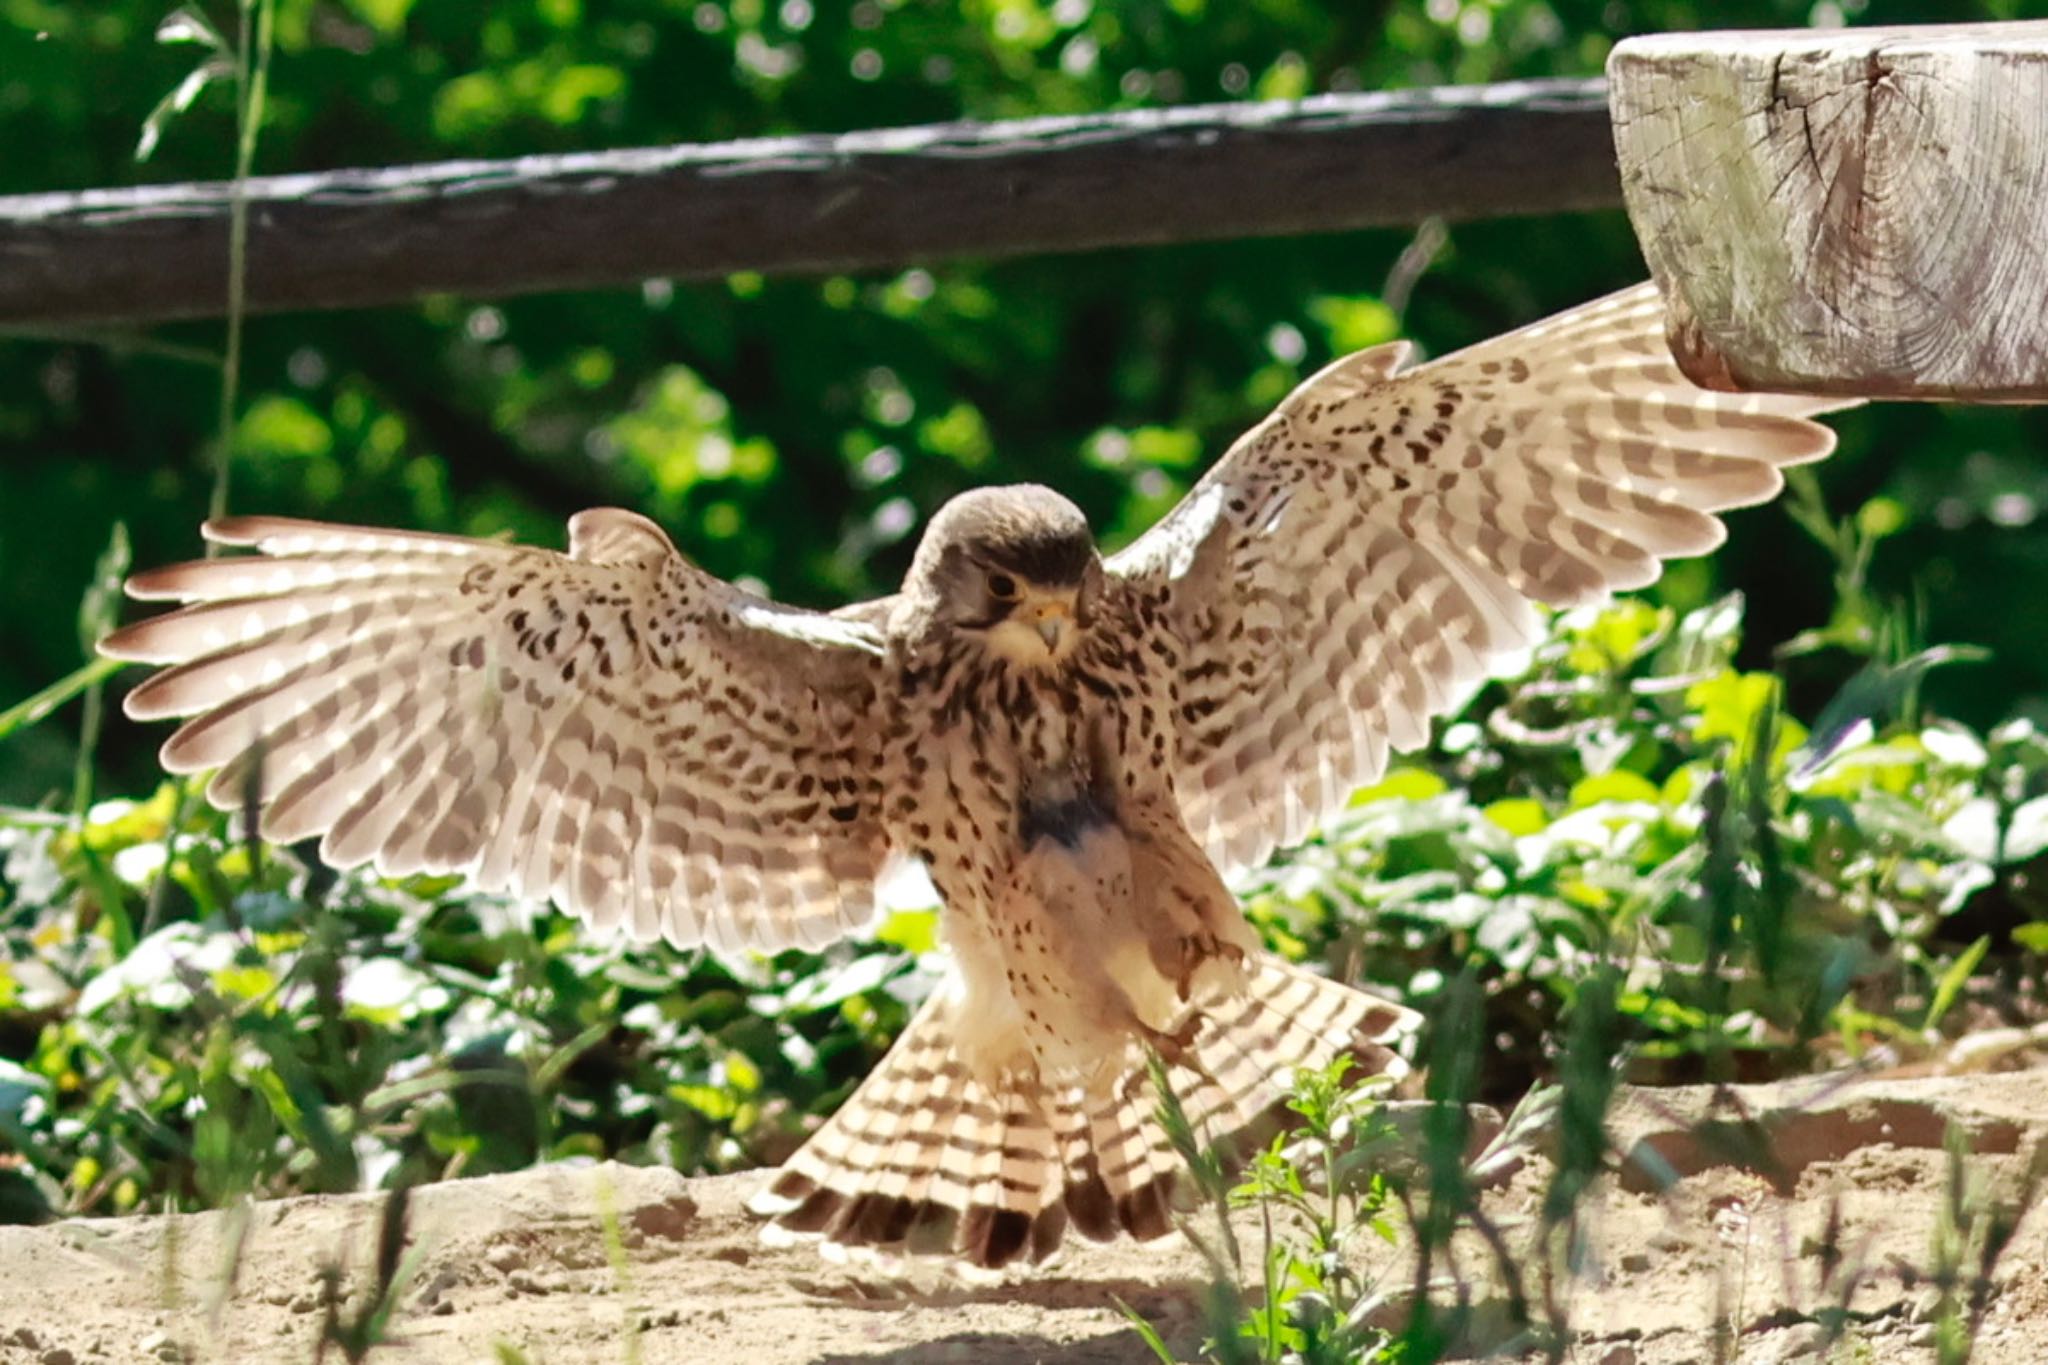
<point x="33" y="708"/>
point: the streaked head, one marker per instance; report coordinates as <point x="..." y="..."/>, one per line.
<point x="1016" y="566"/>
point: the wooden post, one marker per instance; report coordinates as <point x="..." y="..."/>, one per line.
<point x="1856" y="211"/>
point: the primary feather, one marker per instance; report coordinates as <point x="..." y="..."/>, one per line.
<point x="611" y="728"/>
<point x="1362" y="555"/>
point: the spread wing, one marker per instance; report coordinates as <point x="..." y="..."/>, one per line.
<point x="1355" y="559"/>
<point x="612" y="728"/>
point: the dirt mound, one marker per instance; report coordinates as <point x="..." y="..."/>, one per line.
<point x="1718" y="1220"/>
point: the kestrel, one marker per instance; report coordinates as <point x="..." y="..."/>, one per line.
<point x="1079" y="749"/>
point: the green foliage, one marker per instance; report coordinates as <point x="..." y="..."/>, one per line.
<point x="1626" y="857"/>
<point x="270" y="1029"/>
<point x="1317" y="1191"/>
<point x="1636" y="801"/>
<point x="846" y="407"/>
<point x="1316" y="1307"/>
<point x="1975" y="1231"/>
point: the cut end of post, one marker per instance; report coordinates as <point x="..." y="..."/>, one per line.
<point x="1849" y="212"/>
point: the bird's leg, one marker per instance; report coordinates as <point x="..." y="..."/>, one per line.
<point x="1177" y="1048"/>
<point x="1173" y="1046"/>
<point x="1191" y="918"/>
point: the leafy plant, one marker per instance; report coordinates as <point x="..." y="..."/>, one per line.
<point x="1316" y="1191"/>
<point x="283" y="1030"/>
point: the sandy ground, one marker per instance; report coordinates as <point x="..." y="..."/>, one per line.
<point x="1682" y="1242"/>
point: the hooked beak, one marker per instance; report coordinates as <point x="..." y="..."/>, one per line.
<point x="1051" y="619"/>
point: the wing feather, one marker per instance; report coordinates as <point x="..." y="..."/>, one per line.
<point x="1356" y="562"/>
<point x="611" y="728"/>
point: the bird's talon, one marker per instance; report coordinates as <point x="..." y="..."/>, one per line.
<point x="1175" y="1047"/>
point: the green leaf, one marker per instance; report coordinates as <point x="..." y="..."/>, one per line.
<point x="1355" y="324"/>
<point x="32" y="709"/>
<point x="830" y="985"/>
<point x="1402" y="784"/>
<point x="914" y="931"/>
<point x="1954" y="979"/>
<point x="549" y="1073"/>
<point x="958" y="434"/>
<point x="99" y="611"/>
<point x="1881" y="517"/>
<point x="1518" y="815"/>
<point x="280" y="426"/>
<point x="1147" y="1333"/>
<point x="1614" y="786"/>
<point x="1875" y="694"/>
<point x="186" y="24"/>
<point x="1729" y="704"/>
<point x="2026" y="833"/>
<point x="178" y="101"/>
<point x="386" y="16"/>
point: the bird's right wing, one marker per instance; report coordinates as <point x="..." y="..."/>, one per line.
<point x="1358" y="556"/>
<point x="612" y="728"/>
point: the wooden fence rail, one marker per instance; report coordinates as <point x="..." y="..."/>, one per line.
<point x="853" y="201"/>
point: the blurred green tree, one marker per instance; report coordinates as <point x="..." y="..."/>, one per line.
<point x="795" y="431"/>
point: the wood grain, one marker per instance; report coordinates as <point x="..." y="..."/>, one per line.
<point x="1846" y="212"/>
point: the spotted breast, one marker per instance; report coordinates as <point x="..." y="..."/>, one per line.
<point x="1080" y="911"/>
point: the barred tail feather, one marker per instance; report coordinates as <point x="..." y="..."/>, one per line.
<point x="928" y="1159"/>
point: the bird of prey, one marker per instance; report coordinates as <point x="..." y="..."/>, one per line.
<point x="1079" y="749"/>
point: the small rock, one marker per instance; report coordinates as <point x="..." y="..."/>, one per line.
<point x="305" y="1303"/>
<point x="1802" y="1339"/>
<point x="149" y="1344"/>
<point x="24" y="1337"/>
<point x="505" y="1258"/>
<point x="529" y="1284"/>
<point x="445" y="1279"/>
<point x="57" y="1355"/>
<point x="442" y="1307"/>
<point x="670" y="1219"/>
<point x="1923" y="1335"/>
<point x="1982" y="1050"/>
<point x="1635" y="1262"/>
<point x="1621" y="1353"/>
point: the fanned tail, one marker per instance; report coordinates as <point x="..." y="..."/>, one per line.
<point x="928" y="1159"/>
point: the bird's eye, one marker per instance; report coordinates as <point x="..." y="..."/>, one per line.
<point x="1002" y="587"/>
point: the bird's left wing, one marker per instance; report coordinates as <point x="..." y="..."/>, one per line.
<point x="612" y="728"/>
<point x="1358" y="556"/>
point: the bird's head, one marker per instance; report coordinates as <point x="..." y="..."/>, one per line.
<point x="1014" y="567"/>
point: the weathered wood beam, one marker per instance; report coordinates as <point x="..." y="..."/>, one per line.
<point x="855" y="201"/>
<point x="1857" y="211"/>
